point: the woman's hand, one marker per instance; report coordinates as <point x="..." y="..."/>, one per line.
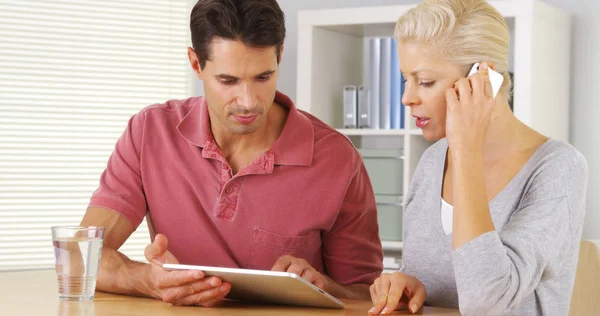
<point x="470" y="105"/>
<point x="390" y="292"/>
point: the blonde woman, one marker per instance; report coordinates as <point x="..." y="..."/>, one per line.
<point x="494" y="213"/>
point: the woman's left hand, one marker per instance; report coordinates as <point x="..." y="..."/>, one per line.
<point x="470" y="105"/>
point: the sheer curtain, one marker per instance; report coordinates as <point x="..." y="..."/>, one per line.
<point x="72" y="72"/>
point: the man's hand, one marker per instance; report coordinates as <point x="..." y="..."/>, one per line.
<point x="181" y="287"/>
<point x="299" y="266"/>
<point x="306" y="271"/>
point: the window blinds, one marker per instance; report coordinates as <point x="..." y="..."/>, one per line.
<point x="72" y="72"/>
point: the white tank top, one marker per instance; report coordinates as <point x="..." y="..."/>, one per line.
<point x="446" y="215"/>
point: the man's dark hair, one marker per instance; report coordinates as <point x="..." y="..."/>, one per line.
<point x="256" y="23"/>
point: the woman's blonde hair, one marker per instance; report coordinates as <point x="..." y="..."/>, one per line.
<point x="462" y="32"/>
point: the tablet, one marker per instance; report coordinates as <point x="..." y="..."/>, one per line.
<point x="267" y="286"/>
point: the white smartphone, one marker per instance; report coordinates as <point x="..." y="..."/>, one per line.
<point x="496" y="78"/>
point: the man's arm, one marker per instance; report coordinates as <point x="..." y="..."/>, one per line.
<point x="352" y="252"/>
<point x="117" y="273"/>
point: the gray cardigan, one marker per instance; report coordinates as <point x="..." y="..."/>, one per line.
<point x="527" y="265"/>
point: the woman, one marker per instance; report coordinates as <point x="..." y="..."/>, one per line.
<point x="494" y="213"/>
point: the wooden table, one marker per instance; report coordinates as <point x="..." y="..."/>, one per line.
<point x="35" y="293"/>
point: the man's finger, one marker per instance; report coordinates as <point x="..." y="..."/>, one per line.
<point x="177" y="293"/>
<point x="282" y="264"/>
<point x="155" y="251"/>
<point x="314" y="277"/>
<point x="296" y="268"/>
<point x="177" y="278"/>
<point x="309" y="275"/>
<point x="202" y="297"/>
<point x="214" y="302"/>
<point x="225" y="288"/>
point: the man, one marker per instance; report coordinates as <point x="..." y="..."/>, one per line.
<point x="239" y="178"/>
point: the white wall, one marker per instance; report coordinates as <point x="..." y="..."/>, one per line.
<point x="585" y="85"/>
<point x="585" y="98"/>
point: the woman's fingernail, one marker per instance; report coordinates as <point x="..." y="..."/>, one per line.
<point x="415" y="308"/>
<point x="214" y="282"/>
<point x="223" y="288"/>
<point x="372" y="309"/>
<point x="384" y="311"/>
<point x="484" y="66"/>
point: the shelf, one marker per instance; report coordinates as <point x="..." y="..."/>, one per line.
<point x="349" y="20"/>
<point x="391" y="246"/>
<point x="379" y="132"/>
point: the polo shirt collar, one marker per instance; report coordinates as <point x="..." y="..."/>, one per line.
<point x="294" y="146"/>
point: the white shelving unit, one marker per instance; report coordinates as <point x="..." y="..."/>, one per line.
<point x="330" y="55"/>
<point x="379" y="132"/>
<point x="392" y="245"/>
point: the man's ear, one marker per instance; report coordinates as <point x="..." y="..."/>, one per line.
<point x="280" y="54"/>
<point x="195" y="63"/>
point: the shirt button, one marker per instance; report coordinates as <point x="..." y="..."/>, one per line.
<point x="228" y="190"/>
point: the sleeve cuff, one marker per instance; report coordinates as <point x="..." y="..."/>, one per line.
<point x="118" y="206"/>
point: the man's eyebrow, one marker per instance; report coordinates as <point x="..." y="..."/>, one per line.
<point x="266" y="73"/>
<point x="225" y="76"/>
<point x="230" y="77"/>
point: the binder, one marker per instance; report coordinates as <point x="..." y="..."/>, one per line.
<point x="385" y="83"/>
<point x="364" y="107"/>
<point x="395" y="88"/>
<point x="350" y="106"/>
<point x="374" y="80"/>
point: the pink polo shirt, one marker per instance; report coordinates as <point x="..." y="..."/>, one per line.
<point x="308" y="196"/>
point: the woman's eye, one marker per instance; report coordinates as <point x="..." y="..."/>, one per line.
<point x="427" y="84"/>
